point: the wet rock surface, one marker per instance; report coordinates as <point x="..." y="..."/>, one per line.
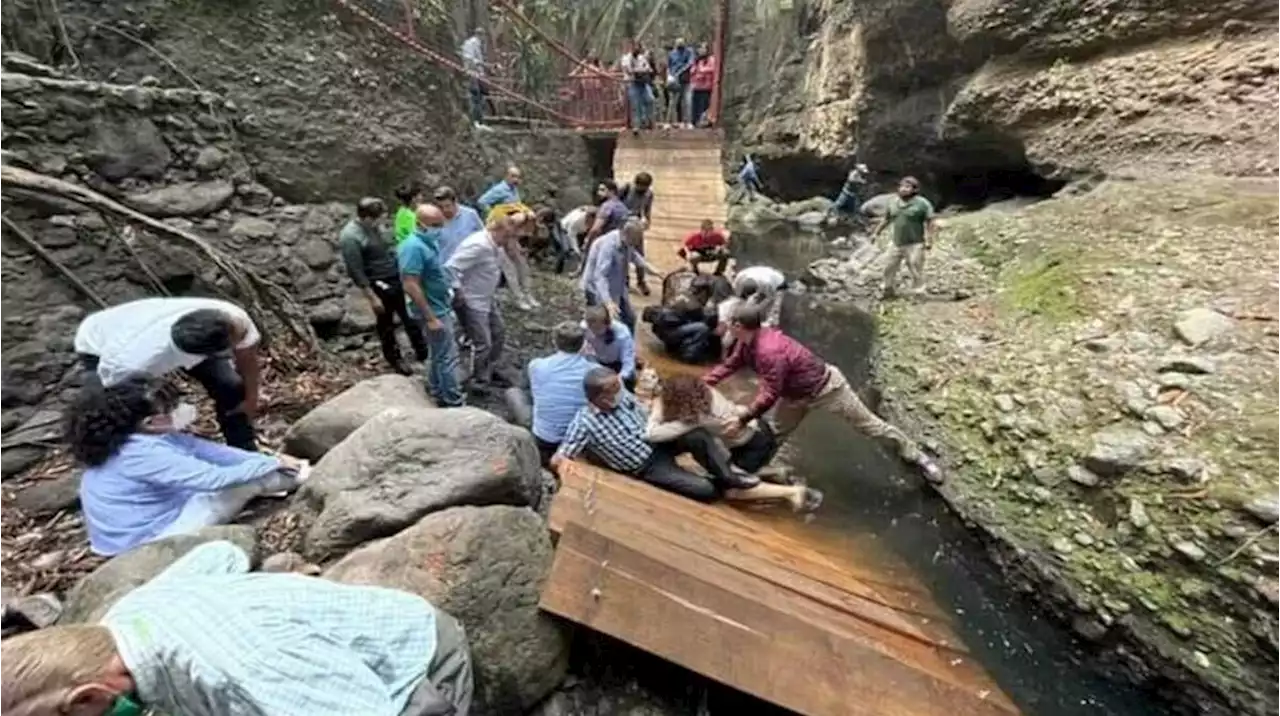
<point x="1033" y="356"/>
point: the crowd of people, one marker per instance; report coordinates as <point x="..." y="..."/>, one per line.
<point x="292" y="642"/>
<point x="672" y="86"/>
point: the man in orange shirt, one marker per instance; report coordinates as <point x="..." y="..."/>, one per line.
<point x="706" y="245"/>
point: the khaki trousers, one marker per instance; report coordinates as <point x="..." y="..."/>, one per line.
<point x="838" y="398"/>
<point x="913" y="256"/>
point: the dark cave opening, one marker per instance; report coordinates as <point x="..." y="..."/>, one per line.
<point x="600" y="150"/>
<point x="795" y="177"/>
<point x="976" y="188"/>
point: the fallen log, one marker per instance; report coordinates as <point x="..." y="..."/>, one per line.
<point x="260" y="297"/>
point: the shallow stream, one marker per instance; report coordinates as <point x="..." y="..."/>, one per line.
<point x="907" y="532"/>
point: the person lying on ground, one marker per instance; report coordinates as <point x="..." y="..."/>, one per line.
<point x="207" y="637"/>
<point x="146" y="479"/>
<point x="604" y="277"/>
<point x="707" y="245"/>
<point x="370" y="260"/>
<point x="211" y="340"/>
<point x="684" y="403"/>
<point x="555" y="382"/>
<point x="610" y="343"/>
<point x="611" y="428"/>
<point x="797" y="381"/>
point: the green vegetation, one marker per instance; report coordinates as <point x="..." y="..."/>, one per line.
<point x="1048" y="288"/>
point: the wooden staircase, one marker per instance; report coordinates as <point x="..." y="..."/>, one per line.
<point x="688" y="184"/>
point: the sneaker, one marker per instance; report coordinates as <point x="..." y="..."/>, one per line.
<point x="931" y="471"/>
<point x="402" y="368"/>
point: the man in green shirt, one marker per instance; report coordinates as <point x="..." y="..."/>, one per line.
<point x="409" y="197"/>
<point x="911" y="217"/>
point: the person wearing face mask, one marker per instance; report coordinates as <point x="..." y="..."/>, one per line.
<point x="427" y="285"/>
<point x="207" y="637"/>
<point x="610" y="343"/>
<point x="145" y="479"/>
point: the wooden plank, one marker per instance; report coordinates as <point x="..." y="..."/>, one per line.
<point x="667" y="601"/>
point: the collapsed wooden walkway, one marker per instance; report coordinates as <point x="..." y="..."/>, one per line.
<point x="754" y="600"/>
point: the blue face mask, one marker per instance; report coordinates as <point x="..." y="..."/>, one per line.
<point x="431" y="234"/>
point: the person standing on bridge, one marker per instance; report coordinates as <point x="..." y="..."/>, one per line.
<point x="604" y="275"/>
<point x="797" y="381"/>
<point x="473" y="62"/>
<point x="637" y="72"/>
<point x="679" y="67"/>
<point x="702" y="79"/>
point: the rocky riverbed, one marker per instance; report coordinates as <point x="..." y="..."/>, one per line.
<point x="1099" y="372"/>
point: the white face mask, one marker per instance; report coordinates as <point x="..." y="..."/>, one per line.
<point x="183" y="416"/>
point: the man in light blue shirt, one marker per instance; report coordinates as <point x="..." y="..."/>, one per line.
<point x="556" y="384"/>
<point x="428" y="286"/>
<point x="611" y="343"/>
<point x="604" y="274"/>
<point x="506" y="191"/>
<point x="749" y="177"/>
<point x="460" y="221"/>
<point x="208" y="637"/>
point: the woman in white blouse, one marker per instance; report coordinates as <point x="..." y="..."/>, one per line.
<point x="683" y="402"/>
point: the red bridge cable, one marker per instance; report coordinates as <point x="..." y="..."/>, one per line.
<point x="555" y="44"/>
<point x="450" y="64"/>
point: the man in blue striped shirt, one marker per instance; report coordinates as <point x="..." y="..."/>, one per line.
<point x="506" y="191"/>
<point x="556" y="384"/>
<point x="611" y="343"/>
<point x="207" y="637"/>
<point x="604" y="273"/>
<point x="611" y="429"/>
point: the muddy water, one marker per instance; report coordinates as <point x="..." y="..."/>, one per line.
<point x="908" y="535"/>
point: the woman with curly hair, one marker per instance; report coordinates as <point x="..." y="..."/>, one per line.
<point x="683" y="403"/>
<point x="145" y="479"/>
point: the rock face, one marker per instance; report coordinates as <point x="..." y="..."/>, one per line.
<point x="324" y="427"/>
<point x="95" y="594"/>
<point x="408" y="462"/>
<point x="964" y="90"/>
<point x="205" y="161"/>
<point x="486" y="566"/>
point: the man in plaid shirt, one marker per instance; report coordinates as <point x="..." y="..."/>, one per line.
<point x="206" y="637"/>
<point x="611" y="428"/>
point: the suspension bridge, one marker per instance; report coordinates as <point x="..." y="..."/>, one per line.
<point x="756" y="601"/>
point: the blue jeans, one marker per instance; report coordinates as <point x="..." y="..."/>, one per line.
<point x="640" y="97"/>
<point x="442" y="366"/>
<point x="846" y="203"/>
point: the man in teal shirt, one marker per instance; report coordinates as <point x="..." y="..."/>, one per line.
<point x="911" y="217"/>
<point x="427" y="285"/>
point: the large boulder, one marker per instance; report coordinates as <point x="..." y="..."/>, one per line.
<point x="486" y="566"/>
<point x="329" y="424"/>
<point x="186" y="199"/>
<point x="89" y="600"/>
<point x="408" y="462"/>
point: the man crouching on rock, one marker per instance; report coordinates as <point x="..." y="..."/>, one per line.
<point x="207" y="637"/>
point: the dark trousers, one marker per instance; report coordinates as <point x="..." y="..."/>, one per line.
<point x="220" y="380"/>
<point x="391" y="295"/>
<point x="662" y="470"/>
<point x="701" y="103"/>
<point x="756" y="453"/>
<point x="640" y="274"/>
<point x="546" y="450"/>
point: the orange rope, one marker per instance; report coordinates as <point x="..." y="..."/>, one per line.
<point x="450" y="64"/>
<point x="555" y="44"/>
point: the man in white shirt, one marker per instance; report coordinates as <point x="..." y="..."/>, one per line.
<point x="577" y="223"/>
<point x="476" y="267"/>
<point x="473" y="62"/>
<point x="761" y="285"/>
<point x="638" y="73"/>
<point x="213" y="341"/>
